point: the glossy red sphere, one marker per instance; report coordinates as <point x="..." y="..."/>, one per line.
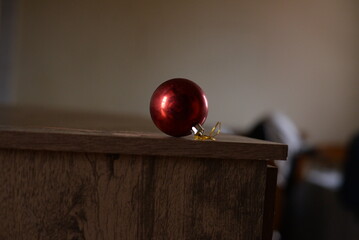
<point x="177" y="105"/>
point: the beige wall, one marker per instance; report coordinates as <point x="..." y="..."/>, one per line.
<point x="251" y="57"/>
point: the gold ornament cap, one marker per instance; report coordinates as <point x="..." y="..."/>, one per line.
<point x="198" y="132"/>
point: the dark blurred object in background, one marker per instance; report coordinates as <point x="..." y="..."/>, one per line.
<point x="307" y="204"/>
<point x="278" y="127"/>
<point x="350" y="188"/>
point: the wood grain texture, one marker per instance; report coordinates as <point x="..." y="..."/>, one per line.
<point x="62" y="195"/>
<point x="226" y="146"/>
<point x="28" y="128"/>
<point x="270" y="194"/>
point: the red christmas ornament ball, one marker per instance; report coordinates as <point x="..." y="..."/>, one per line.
<point x="177" y="105"/>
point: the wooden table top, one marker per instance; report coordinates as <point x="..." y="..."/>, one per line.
<point x="55" y="130"/>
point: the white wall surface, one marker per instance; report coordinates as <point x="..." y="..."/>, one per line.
<point x="251" y="57"/>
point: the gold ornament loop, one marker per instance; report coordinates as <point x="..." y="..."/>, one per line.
<point x="199" y="134"/>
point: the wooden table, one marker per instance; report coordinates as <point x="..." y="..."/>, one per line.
<point x="70" y="175"/>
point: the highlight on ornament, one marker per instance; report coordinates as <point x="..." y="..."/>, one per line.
<point x="179" y="107"/>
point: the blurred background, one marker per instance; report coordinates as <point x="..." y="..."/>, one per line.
<point x="252" y="58"/>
